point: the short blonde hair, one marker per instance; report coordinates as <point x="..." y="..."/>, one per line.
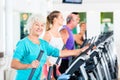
<point x="34" y="18"/>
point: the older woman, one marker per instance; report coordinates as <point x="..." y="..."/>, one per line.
<point x="27" y="50"/>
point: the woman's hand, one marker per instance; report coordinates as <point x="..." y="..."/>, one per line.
<point x="84" y="48"/>
<point x="34" y="64"/>
<point x="79" y="51"/>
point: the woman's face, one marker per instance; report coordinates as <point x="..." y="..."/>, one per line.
<point x="37" y="28"/>
<point x="60" y="19"/>
<point x="83" y="27"/>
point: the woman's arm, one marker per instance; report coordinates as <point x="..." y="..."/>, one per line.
<point x="76" y="52"/>
<point x="16" y="64"/>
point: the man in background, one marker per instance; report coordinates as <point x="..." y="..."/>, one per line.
<point x="68" y="38"/>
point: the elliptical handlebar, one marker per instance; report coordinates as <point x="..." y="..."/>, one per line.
<point x="33" y="69"/>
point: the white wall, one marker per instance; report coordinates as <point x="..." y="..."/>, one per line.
<point x="117" y="32"/>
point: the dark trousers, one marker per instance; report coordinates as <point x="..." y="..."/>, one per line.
<point x="64" y="65"/>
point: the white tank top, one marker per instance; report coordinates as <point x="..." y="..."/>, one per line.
<point x="56" y="42"/>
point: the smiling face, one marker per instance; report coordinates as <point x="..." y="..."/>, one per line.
<point x="37" y="28"/>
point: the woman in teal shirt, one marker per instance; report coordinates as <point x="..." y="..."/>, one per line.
<point x="27" y="50"/>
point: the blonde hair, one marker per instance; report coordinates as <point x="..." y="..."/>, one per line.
<point x="34" y="18"/>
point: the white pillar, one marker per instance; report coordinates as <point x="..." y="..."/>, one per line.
<point x="9" y="30"/>
<point x="93" y="23"/>
<point x="2" y="34"/>
<point x="117" y="33"/>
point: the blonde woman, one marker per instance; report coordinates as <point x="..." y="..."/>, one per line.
<point x="53" y="36"/>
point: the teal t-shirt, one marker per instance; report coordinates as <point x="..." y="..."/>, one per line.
<point x="26" y="51"/>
